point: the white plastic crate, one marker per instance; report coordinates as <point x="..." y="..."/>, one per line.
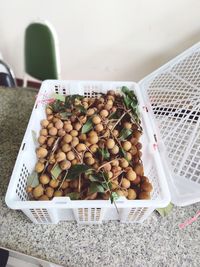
<point x="86" y="211"/>
<point x="172" y="93"/>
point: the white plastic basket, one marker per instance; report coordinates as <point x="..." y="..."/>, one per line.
<point x="86" y="211"/>
<point x="172" y="93"/>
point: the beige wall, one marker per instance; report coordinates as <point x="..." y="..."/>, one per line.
<point x="104" y="39"/>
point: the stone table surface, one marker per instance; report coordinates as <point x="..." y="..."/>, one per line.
<point x="156" y="242"/>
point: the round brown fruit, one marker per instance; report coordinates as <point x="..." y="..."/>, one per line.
<point x="131" y="194"/>
<point x="42" y="139"/>
<point x="44" y="179"/>
<point x="65" y="165"/>
<point x="54" y="183"/>
<point x="144" y="195"/>
<point x="38" y="191"/>
<point x="49" y="191"/>
<point x="41" y="152"/>
<point x="44" y="198"/>
<point x="131" y="175"/>
<point x="125" y="183"/>
<point x="39" y="167"/>
<point x="58" y="193"/>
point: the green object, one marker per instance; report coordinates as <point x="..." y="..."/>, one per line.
<point x="40" y="52"/>
<point x="165" y="211"/>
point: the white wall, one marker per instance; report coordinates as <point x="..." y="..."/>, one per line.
<point x="104" y="39"/>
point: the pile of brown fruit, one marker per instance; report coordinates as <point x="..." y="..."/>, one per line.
<point x="89" y="149"/>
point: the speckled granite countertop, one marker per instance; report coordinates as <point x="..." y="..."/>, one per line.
<point x="157" y="242"/>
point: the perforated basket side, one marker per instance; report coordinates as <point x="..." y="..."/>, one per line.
<point x="173" y="94"/>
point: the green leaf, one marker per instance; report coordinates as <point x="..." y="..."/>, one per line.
<point x="165" y="211"/>
<point x="114" y="115"/>
<point x="124" y="134"/>
<point x="76" y="170"/>
<point x="65" y="115"/>
<point x="95" y="177"/>
<point x="73" y="195"/>
<point x="81" y="109"/>
<point x="59" y="97"/>
<point x="33" y="180"/>
<point x="104" y="153"/>
<point x="57" y="106"/>
<point x="56" y="171"/>
<point x="113" y="197"/>
<point x="96" y="187"/>
<point x="34" y="135"/>
<point x="87" y="126"/>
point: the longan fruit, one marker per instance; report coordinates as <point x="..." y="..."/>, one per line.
<point x="120" y="193"/>
<point x="115" y="163"/>
<point x="107" y="167"/>
<point x="90" y="112"/>
<point x="74" y="133"/>
<point x="50" y="117"/>
<point x="77" y="126"/>
<point x="83" y="119"/>
<point x="123" y="163"/>
<point x="133" y="140"/>
<point x="70" y="155"/>
<point x="44" y="198"/>
<point x="144" y="179"/>
<point x="50" y="125"/>
<point x="144" y="195"/>
<point x="139" y="169"/>
<point x="65" y="164"/>
<point x="131" y="194"/>
<point x="55" y="120"/>
<point x="58" y="193"/>
<point x="146" y="186"/>
<point x="75" y="141"/>
<point x="49" y="191"/>
<point x="94" y="148"/>
<point x="74" y="162"/>
<point x="92" y="196"/>
<point x="61" y="132"/>
<point x="60" y="156"/>
<point x="104" y="113"/>
<point x="66" y="148"/>
<point x="128" y="156"/>
<point x="44" y="179"/>
<point x="92" y="133"/>
<point x="125" y="183"/>
<point x="82" y="137"/>
<point x="41" y="152"/>
<point x="73" y="118"/>
<point x="59" y="124"/>
<point x="54" y="183"/>
<point x="136" y="181"/>
<point x="38" y="191"/>
<point x="42" y="139"/>
<point x="131" y="175"/>
<point x="99" y="127"/>
<point x="114" y="184"/>
<point x="115" y="150"/>
<point x="87" y="143"/>
<point x="110" y="102"/>
<point x="49" y="111"/>
<point x="126" y="145"/>
<point x="39" y="167"/>
<point x="44" y="123"/>
<point x="115" y="133"/>
<point x="53" y="131"/>
<point x="137" y="134"/>
<point x="90" y="161"/>
<point x="29" y="189"/>
<point x="110" y="174"/>
<point x="106" y="196"/>
<point x="133" y="150"/>
<point x="52" y="159"/>
<point x="67" y="138"/>
<point x="110" y="143"/>
<point x="44" y="132"/>
<point x="93" y="139"/>
<point x="139" y="146"/>
<point x="87" y="155"/>
<point x="81" y="147"/>
<point x="65" y="185"/>
<point x="67" y="127"/>
<point x="74" y="184"/>
<point x="96" y="119"/>
<point x="127" y="125"/>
